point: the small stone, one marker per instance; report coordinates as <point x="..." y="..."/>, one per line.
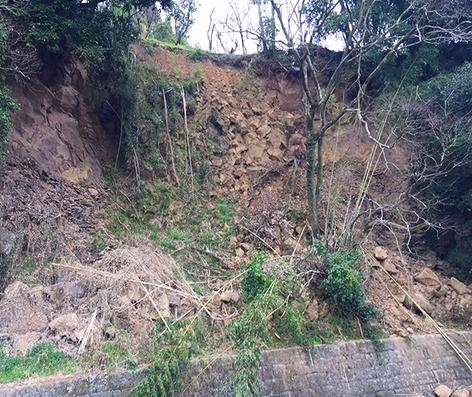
<point x="110" y="332"/>
<point x="299" y="229"/>
<point x="428" y="277"/>
<point x="312" y="311"/>
<point x="229" y="297"/>
<point x="162" y="302"/>
<point x="442" y="391"/>
<point x="93" y="192"/>
<point x="246" y="246"/>
<point x="23" y="343"/>
<point x="380" y="253"/>
<point x="65" y="291"/>
<point x="441" y="292"/>
<point x="465" y="301"/>
<point x="461" y="393"/>
<point x="239" y="252"/>
<point x="458" y="286"/>
<point x="65" y="325"/>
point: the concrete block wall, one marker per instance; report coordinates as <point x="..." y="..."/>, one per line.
<point x="402" y="368"/>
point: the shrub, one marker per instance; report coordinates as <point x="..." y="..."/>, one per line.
<point x="344" y="286"/>
<point x="270" y="303"/>
<point x="256" y="281"/>
<point x="173" y="348"/>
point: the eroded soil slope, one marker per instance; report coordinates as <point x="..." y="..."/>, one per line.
<point x="250" y="130"/>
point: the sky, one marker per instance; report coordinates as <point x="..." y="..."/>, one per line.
<point x="198" y="32"/>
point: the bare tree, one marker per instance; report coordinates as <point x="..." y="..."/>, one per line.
<point x="211" y="31"/>
<point x="236" y="22"/>
<point x="304" y="24"/>
<point x="183" y="13"/>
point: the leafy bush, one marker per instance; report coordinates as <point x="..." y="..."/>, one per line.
<point x="344" y="286"/>
<point x="256" y="281"/>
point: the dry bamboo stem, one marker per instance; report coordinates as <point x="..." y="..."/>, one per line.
<point x="86" y="335"/>
<point x="298" y="242"/>
<point x="155" y="306"/>
<point x="169" y="138"/>
<point x="187" y="138"/>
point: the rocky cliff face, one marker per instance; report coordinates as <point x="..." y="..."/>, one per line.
<point x="56" y="126"/>
<point x="57" y="152"/>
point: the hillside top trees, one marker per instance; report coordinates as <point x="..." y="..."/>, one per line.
<point x="372" y="32"/>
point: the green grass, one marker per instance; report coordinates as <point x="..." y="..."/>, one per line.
<point x="42" y="360"/>
<point x="119" y="352"/>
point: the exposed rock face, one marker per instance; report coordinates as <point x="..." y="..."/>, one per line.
<point x="56" y="127"/>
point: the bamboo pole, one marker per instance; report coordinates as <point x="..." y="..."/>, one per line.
<point x="169" y="138"/>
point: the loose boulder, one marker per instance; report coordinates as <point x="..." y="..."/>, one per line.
<point x="22" y="310"/>
<point x="380" y="253"/>
<point x="442" y="391"/>
<point x="23" y="343"/>
<point x="420" y="300"/>
<point x="461" y="393"/>
<point x="65" y="325"/>
<point x="428" y="277"/>
<point x="458" y="286"/>
<point x="390" y="267"/>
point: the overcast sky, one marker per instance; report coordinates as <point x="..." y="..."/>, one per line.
<point x="198" y="32"/>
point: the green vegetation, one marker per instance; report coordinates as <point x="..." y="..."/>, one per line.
<point x="119" y="352"/>
<point x="7" y="105"/>
<point x="173" y="348"/>
<point x="344" y="286"/>
<point x="272" y="305"/>
<point x="41" y="360"/>
<point x="256" y="282"/>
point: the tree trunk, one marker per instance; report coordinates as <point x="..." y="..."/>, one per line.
<point x="261" y="27"/>
<point x="310" y="177"/>
<point x="319" y="184"/>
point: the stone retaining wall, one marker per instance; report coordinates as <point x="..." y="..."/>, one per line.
<point x="402" y="368"/>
